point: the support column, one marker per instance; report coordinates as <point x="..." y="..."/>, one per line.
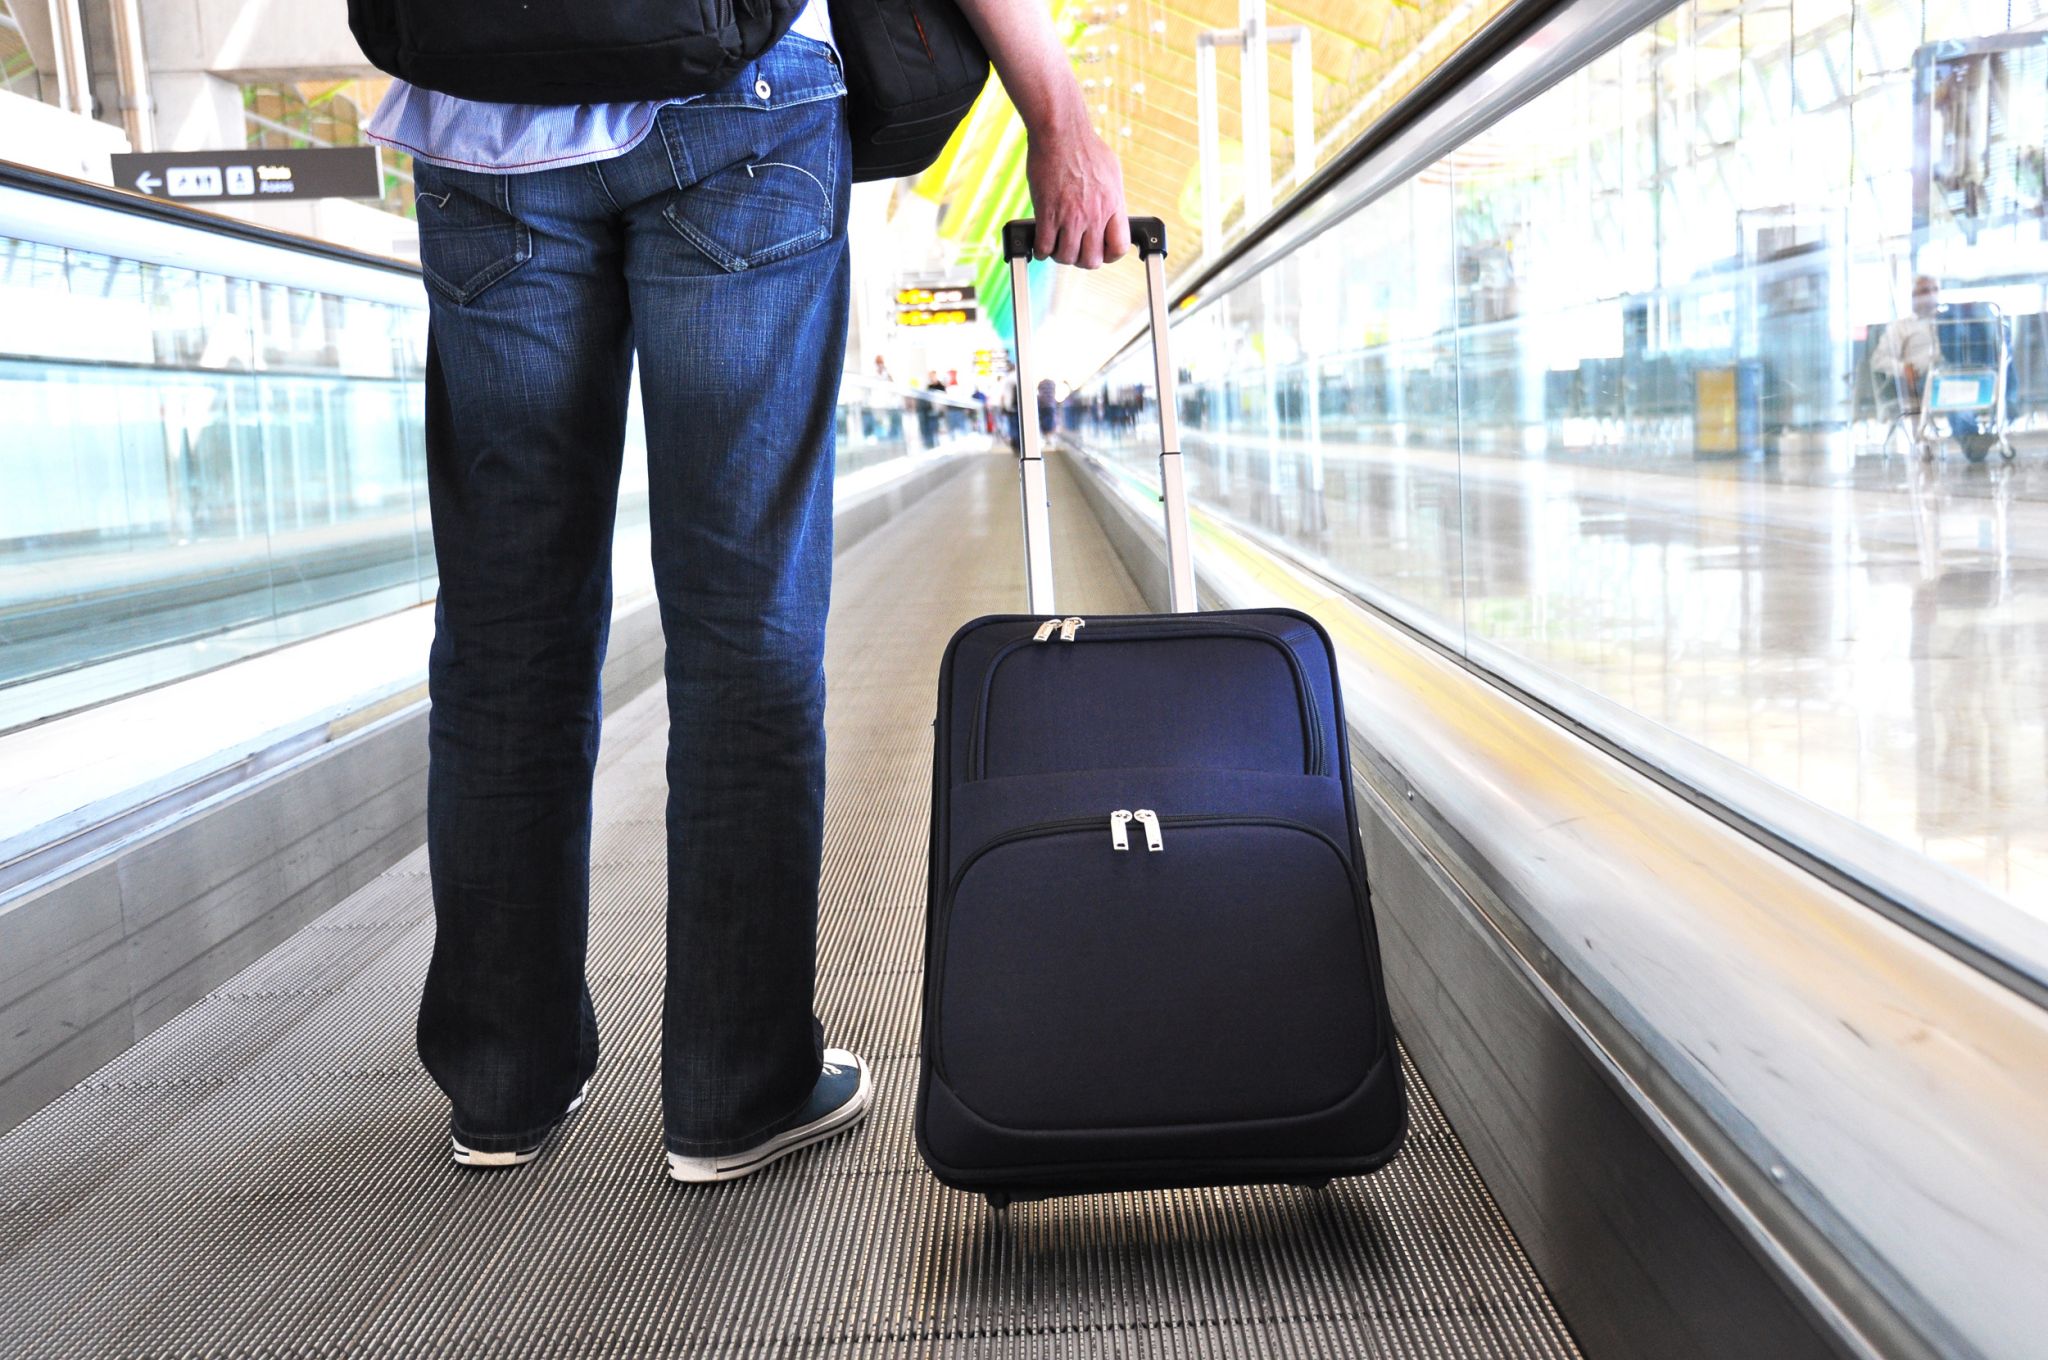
<point x="1304" y="101"/>
<point x="1253" y="38"/>
<point x="1256" y="113"/>
<point x="1209" y="160"/>
<point x="196" y="111"/>
<point x="55" y="36"/>
<point x="131" y="67"/>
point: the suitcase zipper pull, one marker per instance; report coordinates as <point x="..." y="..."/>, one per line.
<point x="1149" y="819"/>
<point x="1068" y="627"/>
<point x="1045" y="630"/>
<point x="1119" y="837"/>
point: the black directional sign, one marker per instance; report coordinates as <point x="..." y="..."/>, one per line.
<point x="200" y="176"/>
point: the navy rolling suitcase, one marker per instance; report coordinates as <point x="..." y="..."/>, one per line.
<point x="1149" y="957"/>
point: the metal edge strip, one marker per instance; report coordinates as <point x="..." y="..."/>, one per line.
<point x="1703" y="1152"/>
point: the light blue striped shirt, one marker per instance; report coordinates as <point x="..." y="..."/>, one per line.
<point x="510" y="138"/>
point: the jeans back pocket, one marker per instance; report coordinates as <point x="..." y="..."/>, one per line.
<point x="469" y="237"/>
<point x="760" y="176"/>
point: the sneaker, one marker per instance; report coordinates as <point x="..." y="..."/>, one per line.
<point x="838" y="1102"/>
<point x="469" y="1156"/>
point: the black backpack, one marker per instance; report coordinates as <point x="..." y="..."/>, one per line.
<point x="913" y="67"/>
<point x="568" y="51"/>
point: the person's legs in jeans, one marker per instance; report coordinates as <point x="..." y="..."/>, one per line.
<point x="527" y="373"/>
<point x="737" y="270"/>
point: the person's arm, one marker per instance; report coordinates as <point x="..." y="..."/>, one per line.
<point x="1077" y="188"/>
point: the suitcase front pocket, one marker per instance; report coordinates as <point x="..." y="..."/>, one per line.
<point x="1141" y="972"/>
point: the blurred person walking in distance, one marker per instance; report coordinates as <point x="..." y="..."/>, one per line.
<point x="1006" y="402"/>
<point x="706" y="235"/>
<point x="929" y="412"/>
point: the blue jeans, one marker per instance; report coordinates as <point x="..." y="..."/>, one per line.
<point x="716" y="249"/>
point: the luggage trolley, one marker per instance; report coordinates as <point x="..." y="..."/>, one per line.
<point x="1966" y="381"/>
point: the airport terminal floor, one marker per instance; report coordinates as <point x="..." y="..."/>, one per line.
<point x="269" y="1173"/>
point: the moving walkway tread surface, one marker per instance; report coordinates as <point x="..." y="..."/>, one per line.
<point x="269" y="1173"/>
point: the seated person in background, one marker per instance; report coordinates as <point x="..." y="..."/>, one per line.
<point x="1933" y="334"/>
<point x="1909" y="346"/>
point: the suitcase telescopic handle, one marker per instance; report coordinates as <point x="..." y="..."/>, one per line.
<point x="1149" y="235"/>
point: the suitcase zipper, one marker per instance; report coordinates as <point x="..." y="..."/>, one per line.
<point x="1149" y="819"/>
<point x="1120" y="829"/>
<point x="1119" y="835"/>
<point x="1067" y="629"/>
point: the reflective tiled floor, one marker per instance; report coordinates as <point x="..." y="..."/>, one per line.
<point x="1869" y="633"/>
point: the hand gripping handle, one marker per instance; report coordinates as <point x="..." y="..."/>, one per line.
<point x="1020" y="234"/>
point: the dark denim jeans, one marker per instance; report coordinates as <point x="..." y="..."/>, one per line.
<point x="716" y="250"/>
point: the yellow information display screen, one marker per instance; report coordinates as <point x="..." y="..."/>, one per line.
<point x="954" y="316"/>
<point x="947" y="305"/>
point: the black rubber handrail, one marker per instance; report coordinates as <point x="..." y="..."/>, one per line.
<point x="53" y="185"/>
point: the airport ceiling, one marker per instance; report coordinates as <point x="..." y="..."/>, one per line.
<point x="1136" y="63"/>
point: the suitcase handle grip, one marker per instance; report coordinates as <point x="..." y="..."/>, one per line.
<point x="1148" y="234"/>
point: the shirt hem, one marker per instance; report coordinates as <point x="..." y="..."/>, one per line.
<point x="567" y="158"/>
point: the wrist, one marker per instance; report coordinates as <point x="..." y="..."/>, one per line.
<point x="1058" y="112"/>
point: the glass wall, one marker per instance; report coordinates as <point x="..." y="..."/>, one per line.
<point x="194" y="459"/>
<point x="196" y="468"/>
<point x="1706" y="397"/>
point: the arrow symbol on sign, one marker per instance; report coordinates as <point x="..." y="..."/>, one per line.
<point x="148" y="182"/>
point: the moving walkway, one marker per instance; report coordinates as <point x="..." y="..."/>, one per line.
<point x="269" y="1173"/>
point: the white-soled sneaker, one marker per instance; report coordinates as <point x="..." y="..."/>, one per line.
<point x="469" y="1156"/>
<point x="839" y="1101"/>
